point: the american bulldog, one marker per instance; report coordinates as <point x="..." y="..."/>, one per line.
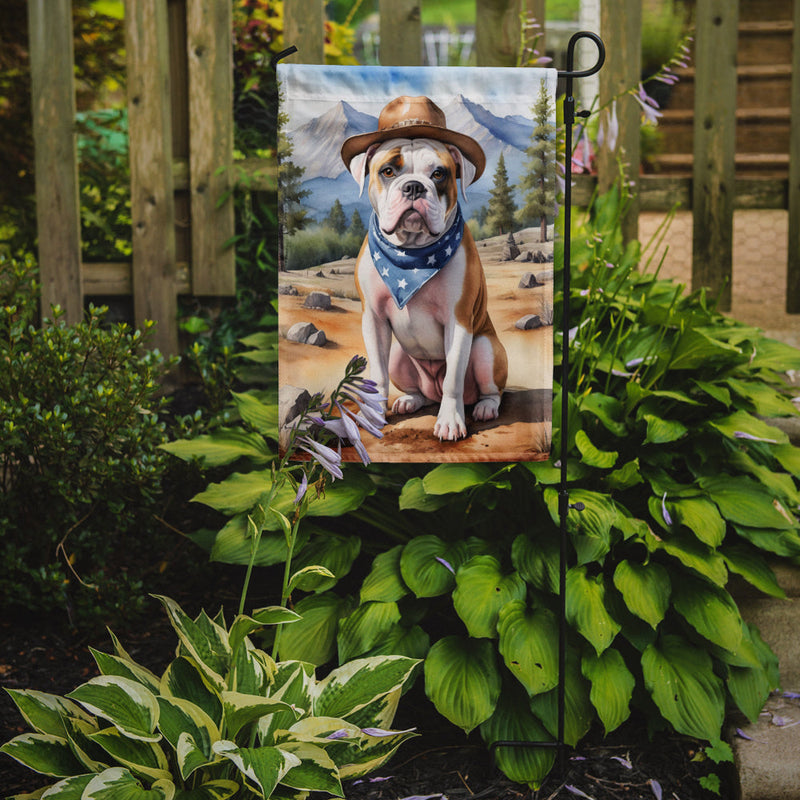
<point x="423" y="291"/>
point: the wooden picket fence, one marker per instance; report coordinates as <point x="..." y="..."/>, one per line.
<point x="180" y="92"/>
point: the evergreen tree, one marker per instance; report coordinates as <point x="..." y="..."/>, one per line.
<point x="357" y="229"/>
<point x="501" y="204"/>
<point x="538" y="183"/>
<point x="336" y="220"/>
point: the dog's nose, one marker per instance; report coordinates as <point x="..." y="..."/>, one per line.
<point x="413" y="190"/>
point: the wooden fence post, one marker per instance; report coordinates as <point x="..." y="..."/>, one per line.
<point x="498" y="29"/>
<point x="401" y="33"/>
<point x="304" y="27"/>
<point x="210" y="55"/>
<point x="56" y="161"/>
<point x="714" y="176"/>
<point x="793" y="266"/>
<point x="152" y="200"/>
<point x="621" y="28"/>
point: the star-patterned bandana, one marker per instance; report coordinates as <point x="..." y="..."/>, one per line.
<point x="405" y="272"/>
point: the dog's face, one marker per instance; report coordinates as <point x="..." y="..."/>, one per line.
<point x="413" y="187"/>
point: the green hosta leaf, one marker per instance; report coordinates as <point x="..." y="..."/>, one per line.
<point x="782" y="543"/>
<point x="512" y="721"/>
<point x="774" y="355"/>
<point x="365" y="627"/>
<point x="78" y="733"/>
<point x="450" y="478"/>
<point x="294" y="684"/>
<point x="45" y="712"/>
<point x="428" y="565"/>
<point x="537" y="561"/>
<point x="126" y="704"/>
<point x="145" y="759"/>
<point x="312" y="577"/>
<point x="612" y="687"/>
<point x="190" y="756"/>
<point x="753" y="567"/>
<point x="414" y="497"/>
<point x="578" y="710"/>
<point x="591" y="455"/>
<point x="717" y="392"/>
<point x="529" y="645"/>
<point x="243" y="625"/>
<point x="645" y="588"/>
<point x="212" y="790"/>
<point x="696" y="349"/>
<point x="749" y="687"/>
<point x="693" y="554"/>
<point x="767" y="402"/>
<point x="44" y="753"/>
<point x="586" y="608"/>
<point x="740" y="422"/>
<point x="683" y="685"/>
<point x="399" y="640"/>
<point x="118" y="784"/>
<point x="608" y="410"/>
<point x="663" y="431"/>
<point x="709" y="610"/>
<point x="242" y="709"/>
<point x="313" y="638"/>
<point x="481" y="591"/>
<point x="237" y="493"/>
<point x="263" y="766"/>
<point x="625" y="477"/>
<point x="125" y="668"/>
<point x="745" y="502"/>
<point x="597" y="517"/>
<point x="207" y="644"/>
<point x="356" y="684"/>
<point x="701" y="517"/>
<point x="68" y="789"/>
<point x="335" y="553"/>
<point x="223" y="446"/>
<point x="179" y="717"/>
<point x="788" y="456"/>
<point x="462" y="680"/>
<point x="261" y="416"/>
<point x="385" y="582"/>
<point x="233" y="544"/>
<point x="182" y="679"/>
<point x="316" y="772"/>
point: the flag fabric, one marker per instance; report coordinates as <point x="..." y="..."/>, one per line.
<point x="417" y="209"/>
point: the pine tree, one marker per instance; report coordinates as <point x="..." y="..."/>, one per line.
<point x="538" y="183"/>
<point x="336" y="220"/>
<point x="293" y="216"/>
<point x="357" y="229"/>
<point x="500" y="218"/>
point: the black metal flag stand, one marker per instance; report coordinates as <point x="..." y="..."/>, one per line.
<point x="564" y="505"/>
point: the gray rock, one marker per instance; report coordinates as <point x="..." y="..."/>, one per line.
<point x="528" y="322"/>
<point x="301" y="331"/>
<point x="317" y="339"/>
<point x="510" y="251"/>
<point x="528" y="281"/>
<point x="539" y="257"/>
<point x="291" y="403"/>
<point x="288" y="289"/>
<point x="321" y="300"/>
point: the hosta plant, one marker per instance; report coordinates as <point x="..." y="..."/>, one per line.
<point x="224" y="720"/>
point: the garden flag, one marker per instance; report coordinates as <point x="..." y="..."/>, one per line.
<point x="417" y="212"/>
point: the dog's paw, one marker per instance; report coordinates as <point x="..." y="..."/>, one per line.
<point x="486" y="408"/>
<point x="409" y="403"/>
<point x="450" y="430"/>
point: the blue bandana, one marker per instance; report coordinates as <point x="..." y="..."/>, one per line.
<point x="405" y="272"/>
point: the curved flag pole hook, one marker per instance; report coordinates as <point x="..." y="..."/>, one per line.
<point x="564" y="505"/>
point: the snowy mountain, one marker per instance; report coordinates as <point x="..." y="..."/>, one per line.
<point x="317" y="146"/>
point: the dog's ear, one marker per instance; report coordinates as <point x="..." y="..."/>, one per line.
<point x="466" y="169"/>
<point x="359" y="166"/>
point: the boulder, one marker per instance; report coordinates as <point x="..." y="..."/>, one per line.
<point x="528" y="322"/>
<point x="300" y="332"/>
<point x="288" y="289"/>
<point x="528" y="281"/>
<point x="321" y="300"/>
<point x="317" y="339"/>
<point x="539" y="257"/>
<point x="510" y="250"/>
<point x="291" y="403"/>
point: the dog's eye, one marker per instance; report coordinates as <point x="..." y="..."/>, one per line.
<point x="387" y="172"/>
<point x="438" y="174"/>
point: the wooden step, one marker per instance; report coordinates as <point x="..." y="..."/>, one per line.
<point x="761" y="41"/>
<point x="767" y="165"/>
<point x="754" y="10"/>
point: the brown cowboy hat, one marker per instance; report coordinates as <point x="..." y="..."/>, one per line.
<point x="414" y="117"/>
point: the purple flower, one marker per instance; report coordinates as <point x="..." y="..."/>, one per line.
<point x="751" y="437"/>
<point x="655" y="786"/>
<point x="301" y="489"/>
<point x="342" y="733"/>
<point x="380" y="732"/>
<point x="608" y="132"/>
<point x="664" y="512"/>
<point x="649" y="106"/>
<point x="742" y="735"/>
<point x="624" y="761"/>
<point x="325" y="456"/>
<point x="577" y="792"/>
<point x="346" y="430"/>
<point x="447" y="564"/>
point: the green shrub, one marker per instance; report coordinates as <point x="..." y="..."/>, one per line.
<point x="309" y="248"/>
<point x="79" y="428"/>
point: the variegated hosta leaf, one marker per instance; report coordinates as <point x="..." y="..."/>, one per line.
<point x="212" y="790"/>
<point x="262" y="766"/>
<point x="242" y="709"/>
<point x="180" y="717"/>
<point x="68" y="789"/>
<point x="358" y="683"/>
<point x="44" y="753"/>
<point x="367" y="626"/>
<point x="513" y="721"/>
<point x="125" y="668"/>
<point x="183" y="679"/>
<point x="145" y="759"/>
<point x="586" y="608"/>
<point x="117" y="783"/>
<point x="294" y="684"/>
<point x="45" y="712"/>
<point x="683" y="685"/>
<point x="646" y="589"/>
<point x="204" y="641"/>
<point x="612" y="687"/>
<point x="462" y="680"/>
<point x="481" y="591"/>
<point x="190" y="755"/>
<point x="78" y="733"/>
<point x="385" y="581"/>
<point x="252" y="670"/>
<point x="316" y="771"/>
<point x="529" y="645"/>
<point x="126" y="704"/>
<point x="710" y="610"/>
<point x="244" y="625"/>
<point x="373" y="753"/>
